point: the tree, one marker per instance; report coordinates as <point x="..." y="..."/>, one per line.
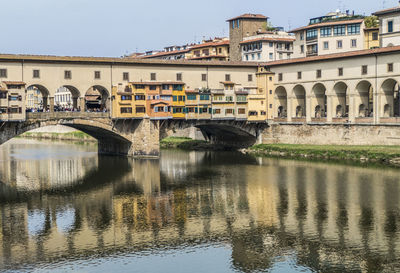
<point x="371" y="21"/>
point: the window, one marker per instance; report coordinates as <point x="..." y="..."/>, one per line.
<point x="353" y="29"/>
<point x="271" y="44"/>
<point x="126" y="110"/>
<point x="233" y="24"/>
<point x="270" y="92"/>
<point x="229" y="98"/>
<point x="302" y="49"/>
<point x="153" y="76"/>
<point x="339" y="30"/>
<point x="140" y="109"/>
<point x="125" y="76"/>
<point x="312" y="34"/>
<point x="3" y="95"/>
<point x="179" y="77"/>
<point x="204" y="77"/>
<point x="177" y="87"/>
<point x="217" y="111"/>
<point x="191" y="97"/>
<point x="326" y="45"/>
<point x="280" y="56"/>
<point x="374" y="36"/>
<point x="271" y="56"/>
<point x="247" y="57"/>
<point x="165" y="87"/>
<point x="36" y="73"/>
<point x="353" y="43"/>
<point x="126" y="97"/>
<point x="250" y="77"/>
<point x="319" y="73"/>
<point x="258" y="56"/>
<point x="326" y="31"/>
<point x="302" y="36"/>
<point x="153" y="87"/>
<point x="252" y="56"/>
<point x="390" y="67"/>
<point x="241" y="111"/>
<point x="204" y="97"/>
<point x="299" y="75"/>
<point x="364" y="70"/>
<point x="390" y="26"/>
<point x="97" y="74"/>
<point x="340" y="71"/>
<point x="240" y="98"/>
<point x="3" y="73"/>
<point x="339" y="44"/>
<point x="67" y="74"/>
<point x="280" y="77"/>
<point x="140" y="97"/>
<point x="238" y="23"/>
<point x="229" y="111"/>
<point x="227" y="77"/>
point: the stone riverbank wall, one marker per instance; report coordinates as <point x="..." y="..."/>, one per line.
<point x="317" y="134"/>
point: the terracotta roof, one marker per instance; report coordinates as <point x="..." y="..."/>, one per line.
<point x="331" y="23"/>
<point x="249" y="16"/>
<point x="155" y="83"/>
<point x="266" y="39"/>
<point x="14" y="83"/>
<point x="118" y="61"/>
<point x="226" y="42"/>
<point x="335" y="56"/>
<point x="386" y="11"/>
<point x="163" y="54"/>
<point x="209" y="56"/>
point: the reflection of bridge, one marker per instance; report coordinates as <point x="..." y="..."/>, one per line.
<point x="137" y="137"/>
<point x="339" y="218"/>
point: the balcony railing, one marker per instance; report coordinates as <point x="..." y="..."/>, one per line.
<point x="312" y="53"/>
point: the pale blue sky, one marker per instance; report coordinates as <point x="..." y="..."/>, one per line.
<point x="115" y="27"/>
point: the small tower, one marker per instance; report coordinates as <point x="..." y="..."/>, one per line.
<point x="243" y="26"/>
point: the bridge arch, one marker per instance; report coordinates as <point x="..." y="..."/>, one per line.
<point x="390" y="101"/>
<point x="280" y="102"/>
<point x="340" y="101"/>
<point x="365" y="99"/>
<point x="319" y="101"/>
<point x="97" y="98"/>
<point x="299" y="101"/>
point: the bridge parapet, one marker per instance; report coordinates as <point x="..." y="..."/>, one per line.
<point x="65" y="115"/>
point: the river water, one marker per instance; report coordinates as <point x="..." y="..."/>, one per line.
<point x="63" y="208"/>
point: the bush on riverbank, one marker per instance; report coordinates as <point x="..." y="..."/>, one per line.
<point x="383" y="154"/>
<point x="75" y="135"/>
<point x="185" y="143"/>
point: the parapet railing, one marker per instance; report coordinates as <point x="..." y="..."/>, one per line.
<point x="66" y="115"/>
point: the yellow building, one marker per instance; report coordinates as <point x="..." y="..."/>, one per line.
<point x="371" y="39"/>
<point x="261" y="102"/>
<point x="178" y="100"/>
<point x="122" y="102"/>
<point x="213" y="50"/>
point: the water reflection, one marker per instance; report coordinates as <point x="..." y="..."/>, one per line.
<point x="267" y="214"/>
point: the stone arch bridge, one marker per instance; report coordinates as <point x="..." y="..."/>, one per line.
<point x="135" y="137"/>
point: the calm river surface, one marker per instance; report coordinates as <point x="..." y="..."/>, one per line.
<point x="65" y="209"/>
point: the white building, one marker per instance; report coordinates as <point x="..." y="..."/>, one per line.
<point x="389" y="26"/>
<point x="267" y="47"/>
<point x="333" y="33"/>
<point x="63" y="98"/>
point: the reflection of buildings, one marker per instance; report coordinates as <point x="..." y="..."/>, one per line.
<point x="332" y="216"/>
<point x="34" y="174"/>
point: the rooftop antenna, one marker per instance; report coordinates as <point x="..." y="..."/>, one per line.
<point x="289" y="25"/>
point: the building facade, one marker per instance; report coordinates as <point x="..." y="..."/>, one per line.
<point x="243" y="26"/>
<point x="334" y="33"/>
<point x="12" y="101"/>
<point x="389" y="26"/>
<point x="267" y="47"/>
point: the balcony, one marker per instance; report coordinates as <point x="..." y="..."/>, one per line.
<point x="312" y="53"/>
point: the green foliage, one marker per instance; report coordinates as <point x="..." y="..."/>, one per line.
<point x="371" y="21"/>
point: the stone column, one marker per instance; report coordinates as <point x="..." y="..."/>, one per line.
<point x="51" y="106"/>
<point x="352" y="108"/>
<point x="82" y="104"/>
<point x="308" y="100"/>
<point x="289" y="109"/>
<point x="378" y="111"/>
<point x="75" y="103"/>
<point x="45" y="102"/>
<point x="329" y="106"/>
